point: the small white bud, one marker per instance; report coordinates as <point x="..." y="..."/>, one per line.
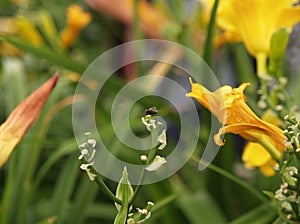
<point x="150" y="203"/>
<point x="142" y="211"/>
<point x="84" y="152"/>
<point x="162" y="138"/>
<point x="144" y="158"/>
<point x="149" y="123"/>
<point x="93" y="155"/>
<point x="262" y="104"/>
<point x="276" y="167"/>
<point x="156" y="163"/>
<point x="85" y="167"/>
<point x="279" y="107"/>
<point x="283" y="80"/>
<point x="92" y="142"/>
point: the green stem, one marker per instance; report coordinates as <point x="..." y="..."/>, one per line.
<point x="269" y="147"/>
<point x="136" y="20"/>
<point x="208" y="48"/>
<point x="261" y="65"/>
<point x="153" y="151"/>
<point x="233" y="178"/>
<point x="102" y="185"/>
<point x="138" y="187"/>
<point x="106" y="190"/>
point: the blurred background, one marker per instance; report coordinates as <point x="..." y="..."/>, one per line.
<point x="42" y="182"/>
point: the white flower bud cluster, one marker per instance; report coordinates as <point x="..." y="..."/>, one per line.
<point x="285" y="198"/>
<point x="154" y="126"/>
<point x="87" y="155"/>
<point x="292" y="132"/>
<point x="143" y="214"/>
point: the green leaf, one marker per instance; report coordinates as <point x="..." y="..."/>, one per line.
<point x="64" y="187"/>
<point x="69" y="146"/>
<point x="208" y="48"/>
<point x="279" y="43"/>
<point x="269" y="194"/>
<point x="14" y="90"/>
<point x="48" y="27"/>
<point x="85" y="195"/>
<point x="48" y="220"/>
<point x="266" y="213"/>
<point x="45" y="53"/>
<point x="124" y="192"/>
<point x="200" y="207"/>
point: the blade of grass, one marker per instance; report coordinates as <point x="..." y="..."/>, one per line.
<point x="200" y="207"/>
<point x="235" y="179"/>
<point x="266" y="213"/>
<point x="68" y="146"/>
<point x="45" y="53"/>
<point x="64" y="187"/>
<point x="84" y="196"/>
<point x="208" y="47"/>
<point x="14" y="92"/>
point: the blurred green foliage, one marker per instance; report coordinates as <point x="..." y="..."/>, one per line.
<point x="42" y="178"/>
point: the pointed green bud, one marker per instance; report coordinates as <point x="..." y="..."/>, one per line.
<point x="279" y="43"/>
<point x="124" y="193"/>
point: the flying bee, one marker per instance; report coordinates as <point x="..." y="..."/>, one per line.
<point x="151" y="111"/>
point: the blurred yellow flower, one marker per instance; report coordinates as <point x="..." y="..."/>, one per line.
<point x="18" y="26"/>
<point x="77" y="19"/>
<point x="28" y="32"/>
<point x="254" y="21"/>
<point x="22" y="117"/>
<point x="229" y="106"/>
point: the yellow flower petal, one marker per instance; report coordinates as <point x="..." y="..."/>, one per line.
<point x="77" y="19"/>
<point x="267" y="170"/>
<point x="229" y="106"/>
<point x="22" y="117"/>
<point x="254" y="21"/>
<point x="289" y="18"/>
<point x="215" y="102"/>
<point x="255" y="155"/>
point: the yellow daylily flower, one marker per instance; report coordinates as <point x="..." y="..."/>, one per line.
<point x="22" y="118"/>
<point x="254" y="21"/>
<point x="77" y="19"/>
<point x="229" y="106"/>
